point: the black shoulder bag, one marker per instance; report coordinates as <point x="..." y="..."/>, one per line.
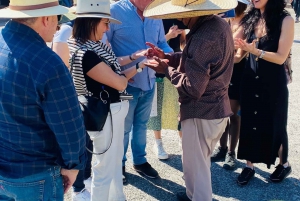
<point x="95" y="110"/>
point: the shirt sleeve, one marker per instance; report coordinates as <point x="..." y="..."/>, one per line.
<point x="63" y="34"/>
<point x="197" y="65"/>
<point x="64" y="117"/>
<point x="90" y="60"/>
<point x="162" y="43"/>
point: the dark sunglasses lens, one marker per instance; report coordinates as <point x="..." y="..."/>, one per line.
<point x="58" y="17"/>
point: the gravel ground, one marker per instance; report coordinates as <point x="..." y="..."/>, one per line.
<point x="224" y="186"/>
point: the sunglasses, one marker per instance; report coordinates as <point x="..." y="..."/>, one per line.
<point x="59" y="17"/>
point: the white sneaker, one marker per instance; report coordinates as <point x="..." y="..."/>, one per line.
<point x="83" y="195"/>
<point x="88" y="184"/>
<point x="159" y="150"/>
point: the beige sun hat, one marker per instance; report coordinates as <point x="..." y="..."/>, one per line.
<point x="173" y="9"/>
<point x="33" y="8"/>
<point x="94" y="9"/>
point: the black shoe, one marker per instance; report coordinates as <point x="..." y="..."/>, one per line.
<point x="229" y="161"/>
<point x="124" y="175"/>
<point x="181" y="196"/>
<point x="245" y="176"/>
<point x="218" y="154"/>
<point x="280" y="173"/>
<point x="146" y="170"/>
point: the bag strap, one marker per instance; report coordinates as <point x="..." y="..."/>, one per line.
<point x="112" y="135"/>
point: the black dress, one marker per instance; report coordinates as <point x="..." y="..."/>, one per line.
<point x="236" y="78"/>
<point x="264" y="107"/>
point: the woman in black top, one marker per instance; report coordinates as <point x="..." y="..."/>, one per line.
<point x="269" y="31"/>
<point x="96" y="72"/>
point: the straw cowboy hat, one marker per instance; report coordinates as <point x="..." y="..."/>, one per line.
<point x="168" y="9"/>
<point x="94" y="9"/>
<point x="32" y="8"/>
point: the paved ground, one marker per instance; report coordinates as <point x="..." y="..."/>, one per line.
<point x="224" y="186"/>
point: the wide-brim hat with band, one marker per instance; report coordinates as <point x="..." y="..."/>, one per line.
<point x="244" y="1"/>
<point x="95" y="9"/>
<point x="175" y="9"/>
<point x="33" y="8"/>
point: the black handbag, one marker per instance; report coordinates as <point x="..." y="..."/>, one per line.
<point x="94" y="109"/>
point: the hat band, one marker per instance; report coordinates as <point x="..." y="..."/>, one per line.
<point x="93" y="13"/>
<point x="34" y="7"/>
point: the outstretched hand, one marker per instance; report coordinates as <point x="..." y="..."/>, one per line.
<point x="248" y="47"/>
<point x="154" y="51"/>
<point x="138" y="54"/>
<point x="157" y="64"/>
<point x="174" y="32"/>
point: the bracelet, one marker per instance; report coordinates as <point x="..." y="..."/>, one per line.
<point x="258" y="56"/>
<point x="122" y="74"/>
<point x="131" y="58"/>
<point x="261" y="56"/>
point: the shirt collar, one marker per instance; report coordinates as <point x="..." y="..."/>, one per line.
<point x="198" y="24"/>
<point x="16" y="27"/>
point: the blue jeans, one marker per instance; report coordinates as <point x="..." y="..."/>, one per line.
<point x="136" y="121"/>
<point x="44" y="186"/>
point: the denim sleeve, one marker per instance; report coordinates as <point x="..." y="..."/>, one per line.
<point x="64" y="117"/>
<point x="162" y="42"/>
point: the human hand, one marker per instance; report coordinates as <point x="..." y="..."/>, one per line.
<point x="248" y="47"/>
<point x="138" y="54"/>
<point x="157" y="64"/>
<point x="69" y="177"/>
<point x="154" y="51"/>
<point x="173" y="32"/>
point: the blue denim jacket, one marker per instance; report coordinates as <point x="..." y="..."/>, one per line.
<point x="41" y="123"/>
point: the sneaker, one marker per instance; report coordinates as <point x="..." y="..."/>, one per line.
<point x="124" y="175"/>
<point x="229" y="161"/>
<point x="280" y="173"/>
<point x="219" y="154"/>
<point x="83" y="195"/>
<point x="297" y="20"/>
<point x="159" y="150"/>
<point x="181" y="196"/>
<point x="245" y="176"/>
<point x="146" y="170"/>
<point x="88" y="184"/>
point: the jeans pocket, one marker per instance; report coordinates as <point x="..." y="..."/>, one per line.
<point x="23" y="190"/>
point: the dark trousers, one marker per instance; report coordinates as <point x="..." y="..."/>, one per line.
<point x="85" y="173"/>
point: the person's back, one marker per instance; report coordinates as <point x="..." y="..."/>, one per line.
<point x="217" y="61"/>
<point x="42" y="135"/>
<point x="25" y="76"/>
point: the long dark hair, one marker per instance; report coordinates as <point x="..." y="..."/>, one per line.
<point x="84" y="27"/>
<point x="274" y="11"/>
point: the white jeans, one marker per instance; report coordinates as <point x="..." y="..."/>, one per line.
<point x="107" y="183"/>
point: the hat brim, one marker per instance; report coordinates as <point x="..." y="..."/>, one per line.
<point x="244" y="2"/>
<point x="67" y="18"/>
<point x="112" y="20"/>
<point x="164" y="9"/>
<point x="12" y="14"/>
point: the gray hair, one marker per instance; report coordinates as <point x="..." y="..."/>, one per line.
<point x="29" y="21"/>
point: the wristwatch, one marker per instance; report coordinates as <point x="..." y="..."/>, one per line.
<point x="138" y="69"/>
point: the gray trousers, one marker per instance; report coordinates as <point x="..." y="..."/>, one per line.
<point x="199" y="139"/>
